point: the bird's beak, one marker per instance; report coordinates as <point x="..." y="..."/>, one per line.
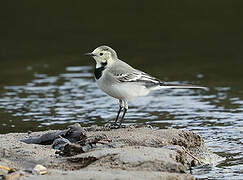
<point x="89" y="54"/>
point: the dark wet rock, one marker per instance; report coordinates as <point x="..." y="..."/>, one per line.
<point x="74" y="133"/>
<point x="84" y="145"/>
<point x="44" y="139"/>
<point x="59" y="143"/>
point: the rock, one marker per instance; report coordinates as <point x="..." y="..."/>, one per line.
<point x="135" y="153"/>
<point x="13" y="176"/>
<point x="59" y="143"/>
<point x="114" y="174"/>
<point x="3" y="170"/>
<point x="73" y="133"/>
<point x="130" y="158"/>
<point x="40" y="170"/>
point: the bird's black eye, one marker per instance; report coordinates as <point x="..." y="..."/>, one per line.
<point x="101" y="54"/>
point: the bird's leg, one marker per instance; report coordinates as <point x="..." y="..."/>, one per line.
<point x="120" y="108"/>
<point x="125" y="110"/>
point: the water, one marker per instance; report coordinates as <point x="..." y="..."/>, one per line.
<point x="50" y="101"/>
<point x="47" y="83"/>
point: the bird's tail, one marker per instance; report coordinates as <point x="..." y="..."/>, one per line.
<point x="180" y="86"/>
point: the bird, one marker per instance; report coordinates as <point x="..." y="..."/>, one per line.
<point x="123" y="82"/>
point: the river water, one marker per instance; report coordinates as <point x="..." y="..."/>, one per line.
<point x="53" y="101"/>
<point x="47" y="83"/>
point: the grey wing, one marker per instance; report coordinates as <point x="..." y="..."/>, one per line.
<point x="123" y="72"/>
<point x="140" y="77"/>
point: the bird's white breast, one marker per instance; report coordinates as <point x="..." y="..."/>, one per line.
<point x="124" y="91"/>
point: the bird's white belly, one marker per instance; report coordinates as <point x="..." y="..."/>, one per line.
<point x="123" y="91"/>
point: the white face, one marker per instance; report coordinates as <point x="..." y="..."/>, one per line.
<point x="102" y="56"/>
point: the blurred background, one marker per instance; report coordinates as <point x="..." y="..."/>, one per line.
<point x="47" y="83"/>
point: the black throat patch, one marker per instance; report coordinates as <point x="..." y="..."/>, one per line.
<point x="98" y="71"/>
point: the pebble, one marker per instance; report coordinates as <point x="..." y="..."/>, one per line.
<point x="39" y="169"/>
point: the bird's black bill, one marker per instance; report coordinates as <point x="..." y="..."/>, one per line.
<point x="89" y="54"/>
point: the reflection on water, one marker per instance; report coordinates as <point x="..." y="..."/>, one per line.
<point x="49" y="101"/>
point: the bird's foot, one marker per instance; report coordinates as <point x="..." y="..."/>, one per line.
<point x="114" y="125"/>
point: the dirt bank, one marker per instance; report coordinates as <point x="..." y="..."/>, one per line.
<point x="130" y="153"/>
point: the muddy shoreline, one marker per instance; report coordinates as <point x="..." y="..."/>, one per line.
<point x="131" y="153"/>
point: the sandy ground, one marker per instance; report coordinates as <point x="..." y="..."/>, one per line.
<point x="131" y="153"/>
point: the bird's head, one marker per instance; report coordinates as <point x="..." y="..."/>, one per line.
<point x="103" y="55"/>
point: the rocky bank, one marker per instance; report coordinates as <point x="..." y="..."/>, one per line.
<point x="126" y="153"/>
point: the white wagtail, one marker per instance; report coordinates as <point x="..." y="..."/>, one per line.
<point x="121" y="81"/>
